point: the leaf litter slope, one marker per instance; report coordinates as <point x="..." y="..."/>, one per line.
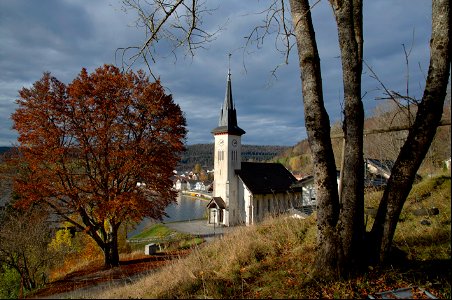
<point x="95" y="275"/>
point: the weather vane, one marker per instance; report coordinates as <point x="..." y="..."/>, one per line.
<point x="229" y="69"/>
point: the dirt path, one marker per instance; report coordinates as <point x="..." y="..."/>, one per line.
<point x="81" y="284"/>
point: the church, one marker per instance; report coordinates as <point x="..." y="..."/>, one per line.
<point x="245" y="192"/>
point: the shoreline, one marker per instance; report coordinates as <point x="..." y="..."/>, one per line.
<point x="192" y="194"/>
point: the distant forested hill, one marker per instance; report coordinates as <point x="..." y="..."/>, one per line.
<point x="4" y="149"/>
<point x="203" y="154"/>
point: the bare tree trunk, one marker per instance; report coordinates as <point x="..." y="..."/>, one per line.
<point x="420" y="136"/>
<point x="111" y="254"/>
<point x="114" y="245"/>
<point x="106" y="240"/>
<point x="110" y="248"/>
<point x="318" y="129"/>
<point x="351" y="226"/>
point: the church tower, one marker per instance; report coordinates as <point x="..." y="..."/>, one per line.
<point x="227" y="159"/>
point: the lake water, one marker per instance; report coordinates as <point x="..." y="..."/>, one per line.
<point x="186" y="208"/>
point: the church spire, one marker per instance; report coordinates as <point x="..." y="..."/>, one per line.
<point x="228" y="115"/>
<point x="228" y="104"/>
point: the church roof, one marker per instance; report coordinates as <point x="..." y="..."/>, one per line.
<point x="228" y="116"/>
<point x="216" y="202"/>
<point x="266" y="178"/>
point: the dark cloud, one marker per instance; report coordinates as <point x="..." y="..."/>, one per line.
<point x="63" y="36"/>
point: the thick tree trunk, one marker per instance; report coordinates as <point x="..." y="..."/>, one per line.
<point x="110" y="249"/>
<point x="111" y="256"/>
<point x="420" y="136"/>
<point x="329" y="254"/>
<point x="107" y="240"/>
<point x="351" y="225"/>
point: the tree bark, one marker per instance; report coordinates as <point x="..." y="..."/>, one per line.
<point x="110" y="249"/>
<point x="329" y="254"/>
<point x="351" y="230"/>
<point x="107" y="240"/>
<point x="111" y="255"/>
<point x="420" y="136"/>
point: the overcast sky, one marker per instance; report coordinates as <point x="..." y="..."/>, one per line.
<point x="63" y="36"/>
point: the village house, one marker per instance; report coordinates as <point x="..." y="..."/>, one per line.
<point x="245" y="192"/>
<point x="184" y="183"/>
<point x="200" y="186"/>
<point x="180" y="183"/>
<point x="376" y="174"/>
<point x="308" y="202"/>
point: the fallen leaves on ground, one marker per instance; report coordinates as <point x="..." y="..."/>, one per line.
<point x="96" y="274"/>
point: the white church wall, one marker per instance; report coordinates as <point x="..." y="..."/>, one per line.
<point x="248" y="204"/>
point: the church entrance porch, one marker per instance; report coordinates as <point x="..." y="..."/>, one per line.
<point x="215" y="210"/>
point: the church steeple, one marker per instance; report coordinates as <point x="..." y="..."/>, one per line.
<point x="228" y="115"/>
<point x="227" y="161"/>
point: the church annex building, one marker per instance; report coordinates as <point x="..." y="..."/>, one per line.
<point x="245" y="192"/>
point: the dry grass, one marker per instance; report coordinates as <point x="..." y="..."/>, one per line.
<point x="429" y="241"/>
<point x="230" y="266"/>
<point x="273" y="259"/>
<point x="433" y="240"/>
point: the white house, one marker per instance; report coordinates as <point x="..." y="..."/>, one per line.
<point x="308" y="190"/>
<point x="378" y="167"/>
<point x="181" y="184"/>
<point x="245" y="192"/>
<point x="200" y="186"/>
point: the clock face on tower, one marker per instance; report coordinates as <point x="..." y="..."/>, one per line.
<point x="234" y="143"/>
<point x="220" y="143"/>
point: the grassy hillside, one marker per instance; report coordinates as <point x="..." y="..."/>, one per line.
<point x="275" y="258"/>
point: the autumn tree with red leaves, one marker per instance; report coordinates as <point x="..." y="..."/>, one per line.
<point x="99" y="151"/>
